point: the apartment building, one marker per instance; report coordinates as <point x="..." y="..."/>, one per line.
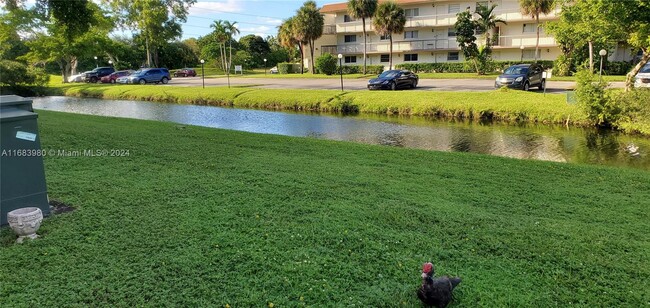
<point x="429" y="34"/>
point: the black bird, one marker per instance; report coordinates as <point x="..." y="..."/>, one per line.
<point x="436" y="291"/>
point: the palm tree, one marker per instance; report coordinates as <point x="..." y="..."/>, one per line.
<point x="362" y="9"/>
<point x="231" y="30"/>
<point x="534" y="8"/>
<point x="487" y="21"/>
<point x="389" y="19"/>
<point x="285" y="36"/>
<point x="309" y="25"/>
<point x="220" y="37"/>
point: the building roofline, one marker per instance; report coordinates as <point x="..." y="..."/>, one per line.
<point x="343" y="6"/>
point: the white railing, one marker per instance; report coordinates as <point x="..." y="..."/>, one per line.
<point x="525" y="40"/>
<point x="400" y="46"/>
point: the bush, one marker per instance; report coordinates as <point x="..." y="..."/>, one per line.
<point x="358" y="69"/>
<point x="326" y="64"/>
<point x="591" y="96"/>
<point x="562" y="66"/>
<point x="464" y="67"/>
<point x="18" y="74"/>
<point x="635" y="111"/>
<point x="617" y="68"/>
<point x="288" y="68"/>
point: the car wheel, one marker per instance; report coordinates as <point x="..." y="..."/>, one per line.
<point x="93" y="79"/>
<point x="113" y="81"/>
<point x="526" y="86"/>
<point x="164" y="80"/>
<point x="393" y="86"/>
<point x="142" y="81"/>
<point x="414" y="84"/>
<point x="542" y="85"/>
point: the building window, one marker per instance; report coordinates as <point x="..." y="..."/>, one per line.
<point x="452" y="56"/>
<point x="454" y="8"/>
<point x="350" y="38"/>
<point x="529" y="28"/>
<point x="348" y="18"/>
<point x="384" y="37"/>
<point x="530" y="54"/>
<point x="384" y="58"/>
<point x="410" y="57"/>
<point x="350" y="59"/>
<point x="451" y="32"/>
<point x="410" y="34"/>
<point x="412" y="12"/>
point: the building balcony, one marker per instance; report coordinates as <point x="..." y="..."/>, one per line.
<point x="329" y="29"/>
<point x="501" y="42"/>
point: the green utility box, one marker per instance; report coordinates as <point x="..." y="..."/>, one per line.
<point x="22" y="175"/>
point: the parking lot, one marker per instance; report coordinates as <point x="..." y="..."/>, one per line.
<point x="355" y="84"/>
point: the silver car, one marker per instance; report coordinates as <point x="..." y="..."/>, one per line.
<point x="642" y="79"/>
<point x="78" y="77"/>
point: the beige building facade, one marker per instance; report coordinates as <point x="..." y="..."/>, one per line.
<point x="429" y="35"/>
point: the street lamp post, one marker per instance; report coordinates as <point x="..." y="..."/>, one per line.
<point x="341" y="70"/>
<point x="96" y="64"/>
<point x="203" y="73"/>
<point x="110" y="62"/>
<point x="602" y="54"/>
<point x="264" y="66"/>
<point x="522" y="52"/>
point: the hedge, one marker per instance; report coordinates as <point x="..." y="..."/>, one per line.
<point x="288" y="68"/>
<point x="462" y="67"/>
<point x="358" y="69"/>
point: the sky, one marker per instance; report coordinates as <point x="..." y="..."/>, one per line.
<point x="260" y="17"/>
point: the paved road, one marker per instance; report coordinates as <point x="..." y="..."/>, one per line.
<point x="357" y="84"/>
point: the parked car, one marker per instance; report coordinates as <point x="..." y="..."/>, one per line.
<point x="78" y="78"/>
<point x="393" y="80"/>
<point x="112" y="77"/>
<point x="185" y="72"/>
<point x="274" y="70"/>
<point x="642" y="79"/>
<point x="147" y="75"/>
<point x="96" y="74"/>
<point x="522" y="76"/>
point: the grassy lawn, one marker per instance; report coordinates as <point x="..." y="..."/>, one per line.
<point x="206" y="217"/>
<point x="507" y="106"/>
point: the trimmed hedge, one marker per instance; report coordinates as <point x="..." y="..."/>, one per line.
<point x="462" y="67"/>
<point x="288" y="68"/>
<point x="358" y="69"/>
<point x="617" y="68"/>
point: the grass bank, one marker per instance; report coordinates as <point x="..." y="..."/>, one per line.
<point x="206" y="217"/>
<point x="497" y="105"/>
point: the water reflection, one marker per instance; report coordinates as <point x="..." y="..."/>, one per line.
<point x="552" y="143"/>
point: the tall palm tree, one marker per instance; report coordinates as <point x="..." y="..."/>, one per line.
<point x="220" y="37"/>
<point x="309" y="23"/>
<point x="534" y="8"/>
<point x="231" y="30"/>
<point x="389" y="19"/>
<point x="487" y="21"/>
<point x="285" y="36"/>
<point x="362" y="9"/>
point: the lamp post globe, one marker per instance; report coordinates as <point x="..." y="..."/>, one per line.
<point x="96" y="64"/>
<point x="202" y="73"/>
<point x="264" y="66"/>
<point x="602" y="54"/>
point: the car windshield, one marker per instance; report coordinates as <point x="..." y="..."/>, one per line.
<point x="516" y="70"/>
<point x="388" y="74"/>
<point x="645" y="69"/>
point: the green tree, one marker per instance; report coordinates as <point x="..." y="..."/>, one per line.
<point x="257" y="47"/>
<point x="486" y="21"/>
<point x="157" y="20"/>
<point x="231" y="30"/>
<point x="389" y="19"/>
<point x="466" y="39"/>
<point x="326" y="64"/>
<point x="534" y="8"/>
<point x="309" y="25"/>
<point x="362" y="9"/>
<point x="288" y="38"/>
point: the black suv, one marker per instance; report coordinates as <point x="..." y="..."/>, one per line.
<point x="521" y="76"/>
<point x="96" y="74"/>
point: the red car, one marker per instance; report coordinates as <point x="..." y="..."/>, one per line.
<point x="185" y="72"/>
<point x="112" y="77"/>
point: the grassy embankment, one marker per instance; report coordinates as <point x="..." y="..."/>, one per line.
<point x="206" y="217"/>
<point x="507" y="106"/>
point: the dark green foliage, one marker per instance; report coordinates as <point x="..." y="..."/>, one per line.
<point x="199" y="217"/>
<point x="74" y="16"/>
<point x="257" y="48"/>
<point x="592" y="97"/>
<point x="562" y="66"/>
<point x="464" y="67"/>
<point x="14" y="74"/>
<point x="618" y="68"/>
<point x="358" y="69"/>
<point x="635" y="111"/>
<point x="177" y="55"/>
<point x="326" y="64"/>
<point x="288" y="68"/>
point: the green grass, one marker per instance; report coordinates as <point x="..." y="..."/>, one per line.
<point x="498" y="105"/>
<point x="206" y="217"/>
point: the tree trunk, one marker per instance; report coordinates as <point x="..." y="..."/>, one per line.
<point x="63" y="71"/>
<point x="311" y="53"/>
<point x="591" y="56"/>
<point x="363" y="21"/>
<point x="390" y="53"/>
<point x="230" y="56"/>
<point x="629" y="80"/>
<point x="154" y="51"/>
<point x="73" y="69"/>
<point x="146" y="43"/>
<point x="302" y="57"/>
<point x="537" y="43"/>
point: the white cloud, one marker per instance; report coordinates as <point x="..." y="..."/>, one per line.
<point x="228" y="6"/>
<point x="271" y="21"/>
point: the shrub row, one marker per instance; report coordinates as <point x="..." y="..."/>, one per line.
<point x="288" y="68"/>
<point x="358" y="69"/>
<point x="463" y="67"/>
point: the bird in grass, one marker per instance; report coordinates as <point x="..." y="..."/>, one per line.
<point x="436" y="291"/>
